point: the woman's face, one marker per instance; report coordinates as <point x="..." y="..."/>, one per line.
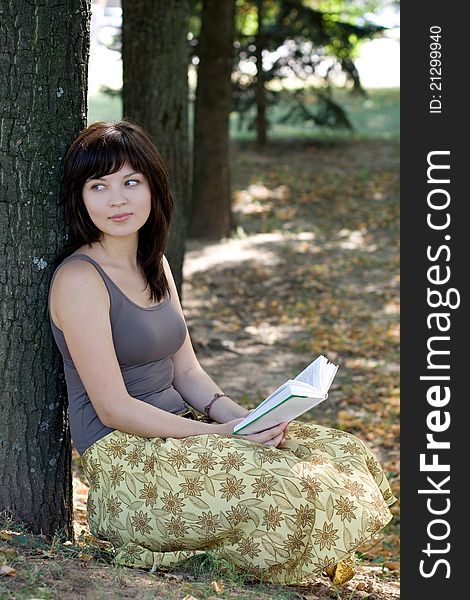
<point x="118" y="204"/>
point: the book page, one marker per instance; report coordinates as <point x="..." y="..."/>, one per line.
<point x="311" y="374"/>
<point x="319" y="374"/>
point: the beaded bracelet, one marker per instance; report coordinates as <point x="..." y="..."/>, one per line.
<point x="208" y="407"/>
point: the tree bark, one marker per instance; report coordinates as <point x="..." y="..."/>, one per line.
<point x="260" y="90"/>
<point x="211" y="205"/>
<point x="44" y="55"/>
<point x="155" y="95"/>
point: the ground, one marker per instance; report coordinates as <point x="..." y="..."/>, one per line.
<point x="312" y="269"/>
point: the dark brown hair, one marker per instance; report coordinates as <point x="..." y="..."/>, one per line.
<point x="102" y="149"/>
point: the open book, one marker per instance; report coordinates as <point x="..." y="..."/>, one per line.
<point x="292" y="398"/>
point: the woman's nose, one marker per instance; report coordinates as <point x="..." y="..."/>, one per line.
<point x="118" y="197"/>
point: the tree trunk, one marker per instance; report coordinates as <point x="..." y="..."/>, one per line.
<point x="155" y="95"/>
<point x="211" y="207"/>
<point x="260" y="91"/>
<point x="44" y="56"/>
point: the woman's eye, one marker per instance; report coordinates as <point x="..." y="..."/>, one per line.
<point x="132" y="182"/>
<point x="96" y="186"/>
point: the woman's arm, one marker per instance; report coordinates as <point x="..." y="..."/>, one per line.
<point x="81" y="303"/>
<point x="193" y="383"/>
<point x="198" y="389"/>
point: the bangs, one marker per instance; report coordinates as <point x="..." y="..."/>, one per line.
<point x="105" y="156"/>
<point x="99" y="162"/>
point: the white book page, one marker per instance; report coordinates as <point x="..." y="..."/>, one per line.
<point x="319" y="374"/>
<point x="311" y="374"/>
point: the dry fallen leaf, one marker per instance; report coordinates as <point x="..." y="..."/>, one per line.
<point x="84" y="556"/>
<point x="361" y="586"/>
<point x="392" y="565"/>
<point x="216" y="587"/>
<point x="7" y="571"/>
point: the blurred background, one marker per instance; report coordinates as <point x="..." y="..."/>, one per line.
<point x="377" y="62"/>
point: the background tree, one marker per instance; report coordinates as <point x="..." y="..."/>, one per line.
<point x="260" y="90"/>
<point x="43" y="84"/>
<point x="155" y="95"/>
<point x="210" y="206"/>
<point x="298" y="42"/>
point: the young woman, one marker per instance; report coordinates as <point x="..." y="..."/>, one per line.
<point x="286" y="504"/>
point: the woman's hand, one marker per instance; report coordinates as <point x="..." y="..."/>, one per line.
<point x="268" y="437"/>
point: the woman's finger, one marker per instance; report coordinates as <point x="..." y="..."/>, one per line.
<point x="269" y="434"/>
<point x="275" y="441"/>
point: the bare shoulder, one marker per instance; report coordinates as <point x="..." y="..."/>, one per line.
<point x="166" y="264"/>
<point x="77" y="286"/>
<point x="170" y="278"/>
<point x="168" y="272"/>
<point x="78" y="276"/>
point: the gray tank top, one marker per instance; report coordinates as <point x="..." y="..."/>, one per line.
<point x="144" y="340"/>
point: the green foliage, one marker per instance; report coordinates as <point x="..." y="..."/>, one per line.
<point x="299" y="38"/>
<point x="299" y="41"/>
<point x="326" y="113"/>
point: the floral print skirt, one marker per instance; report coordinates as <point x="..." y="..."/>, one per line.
<point x="283" y="514"/>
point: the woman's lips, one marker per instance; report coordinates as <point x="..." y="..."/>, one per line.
<point x="121" y="218"/>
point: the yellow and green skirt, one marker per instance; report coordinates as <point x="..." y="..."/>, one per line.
<point x="284" y="514"/>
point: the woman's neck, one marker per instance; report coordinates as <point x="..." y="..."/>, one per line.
<point x="117" y="252"/>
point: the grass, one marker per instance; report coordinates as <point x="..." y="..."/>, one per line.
<point x="376" y="116"/>
<point x="56" y="571"/>
<point x="31" y="568"/>
<point x="103" y="107"/>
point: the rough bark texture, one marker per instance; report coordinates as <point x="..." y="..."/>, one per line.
<point x="260" y="91"/>
<point x="211" y="207"/>
<point x="44" y="54"/>
<point x="155" y="95"/>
